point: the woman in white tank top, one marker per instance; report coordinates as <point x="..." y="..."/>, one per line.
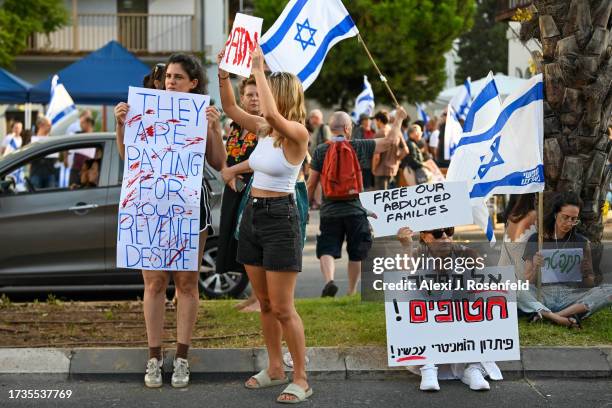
<point x="269" y="244"/>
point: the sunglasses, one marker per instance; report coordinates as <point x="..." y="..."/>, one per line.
<point x="158" y="67"/>
<point x="438" y="233"/>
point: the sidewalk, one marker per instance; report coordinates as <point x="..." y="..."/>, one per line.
<point x="325" y="363"/>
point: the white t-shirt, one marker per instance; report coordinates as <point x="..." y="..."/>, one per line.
<point x="434" y="138"/>
<point x="74" y="127"/>
<point x="11" y="143"/>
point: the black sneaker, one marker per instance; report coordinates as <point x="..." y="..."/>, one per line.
<point x="329" y="290"/>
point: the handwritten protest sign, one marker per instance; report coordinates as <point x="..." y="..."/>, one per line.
<point x="242" y="40"/>
<point x="562" y="265"/>
<point x="433" y="322"/>
<point x="159" y="210"/>
<point x="422" y="207"/>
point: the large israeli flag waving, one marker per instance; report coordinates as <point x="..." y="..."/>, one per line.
<point x="301" y="37"/>
<point x="62" y="111"/>
<point x="364" y="103"/>
<point x="506" y="158"/>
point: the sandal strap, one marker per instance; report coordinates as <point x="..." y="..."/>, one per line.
<point x="295" y="390"/>
<point x="262" y="378"/>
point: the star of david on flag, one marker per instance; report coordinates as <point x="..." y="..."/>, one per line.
<point x="303" y="34"/>
<point x="311" y="32"/>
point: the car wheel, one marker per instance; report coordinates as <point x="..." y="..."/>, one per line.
<point x="218" y="285"/>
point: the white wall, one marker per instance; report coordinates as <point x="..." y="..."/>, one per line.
<point x="172" y="30"/>
<point x="519" y="54"/>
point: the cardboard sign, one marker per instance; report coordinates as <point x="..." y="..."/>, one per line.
<point x="436" y="324"/>
<point x="243" y="38"/>
<point x="562" y="265"/>
<point x="422" y="207"/>
<point x="159" y="211"/>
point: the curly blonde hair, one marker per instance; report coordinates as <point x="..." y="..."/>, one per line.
<point x="289" y="97"/>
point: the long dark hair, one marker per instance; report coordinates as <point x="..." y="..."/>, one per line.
<point x="560" y="200"/>
<point x="193" y="68"/>
<point x="519" y="206"/>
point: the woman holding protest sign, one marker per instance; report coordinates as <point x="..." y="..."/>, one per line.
<point x="183" y="73"/>
<point x="270" y="242"/>
<point x="521" y="219"/>
<point x="439" y="244"/>
<point x="569" y="297"/>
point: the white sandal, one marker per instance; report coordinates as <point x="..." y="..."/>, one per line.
<point x="264" y="381"/>
<point x="297" y="391"/>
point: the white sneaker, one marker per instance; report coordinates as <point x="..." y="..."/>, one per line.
<point x="180" y="377"/>
<point x="473" y="377"/>
<point x="153" y="375"/>
<point x="429" y="378"/>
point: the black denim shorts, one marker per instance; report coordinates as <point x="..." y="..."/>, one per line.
<point x="333" y="231"/>
<point x="270" y="234"/>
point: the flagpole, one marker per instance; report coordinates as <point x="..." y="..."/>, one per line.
<point x="381" y="76"/>
<point x="540" y="240"/>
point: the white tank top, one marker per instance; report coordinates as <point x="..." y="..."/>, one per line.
<point x="271" y="170"/>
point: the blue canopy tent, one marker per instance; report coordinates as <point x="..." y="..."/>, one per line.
<point x="12" y="88"/>
<point x="100" y="78"/>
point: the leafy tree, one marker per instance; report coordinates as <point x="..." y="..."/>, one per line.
<point x="21" y="18"/>
<point x="407" y="38"/>
<point x="485" y="47"/>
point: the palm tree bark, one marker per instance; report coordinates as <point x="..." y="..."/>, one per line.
<point x="576" y="60"/>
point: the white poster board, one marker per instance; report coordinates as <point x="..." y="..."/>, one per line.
<point x="562" y="265"/>
<point x="159" y="211"/>
<point x="243" y="38"/>
<point x="422" y="207"/>
<point x="451" y="326"/>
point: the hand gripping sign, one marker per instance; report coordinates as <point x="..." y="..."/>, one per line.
<point x="159" y="211"/>
<point x="242" y="40"/>
<point x="423" y="207"/>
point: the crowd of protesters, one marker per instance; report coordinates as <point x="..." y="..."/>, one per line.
<point x="272" y="157"/>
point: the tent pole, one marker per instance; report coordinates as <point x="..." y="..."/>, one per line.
<point x="104" y="124"/>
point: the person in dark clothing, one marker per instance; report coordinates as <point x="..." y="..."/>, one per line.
<point x="240" y="144"/>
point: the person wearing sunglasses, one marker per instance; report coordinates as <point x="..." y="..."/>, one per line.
<point x="439" y="243"/>
<point x="576" y="300"/>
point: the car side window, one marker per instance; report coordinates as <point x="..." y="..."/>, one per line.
<point x="67" y="169"/>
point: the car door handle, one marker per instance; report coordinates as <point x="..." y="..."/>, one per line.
<point x="82" y="207"/>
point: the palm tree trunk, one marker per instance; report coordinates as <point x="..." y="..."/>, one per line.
<point x="576" y="60"/>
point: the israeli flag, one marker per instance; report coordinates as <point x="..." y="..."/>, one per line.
<point x="364" y="103"/>
<point x="301" y="37"/>
<point x="421" y="114"/>
<point x="506" y="158"/>
<point x="483" y="111"/>
<point x="61" y="112"/>
<point x="462" y="101"/>
<point x="452" y="133"/>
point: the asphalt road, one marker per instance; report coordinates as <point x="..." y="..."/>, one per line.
<point x="556" y="393"/>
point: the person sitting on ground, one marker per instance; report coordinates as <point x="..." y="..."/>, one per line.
<point x="521" y="218"/>
<point x="439" y="244"/>
<point x="570" y="299"/>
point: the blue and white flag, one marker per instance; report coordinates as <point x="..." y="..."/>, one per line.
<point x="364" y="103"/>
<point x="61" y="112"/>
<point x="462" y="101"/>
<point x="482" y="113"/>
<point x="506" y="158"/>
<point x="485" y="107"/>
<point x="452" y="132"/>
<point x="421" y="114"/>
<point x="301" y="37"/>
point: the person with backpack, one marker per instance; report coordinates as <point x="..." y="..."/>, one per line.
<point x="336" y="165"/>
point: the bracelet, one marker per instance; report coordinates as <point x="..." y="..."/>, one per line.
<point x="225" y="77"/>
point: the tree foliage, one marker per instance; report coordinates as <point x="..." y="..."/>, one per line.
<point x="21" y="18"/>
<point x="485" y="47"/>
<point x="407" y="38"/>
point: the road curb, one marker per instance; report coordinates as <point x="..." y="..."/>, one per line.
<point x="324" y="363"/>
